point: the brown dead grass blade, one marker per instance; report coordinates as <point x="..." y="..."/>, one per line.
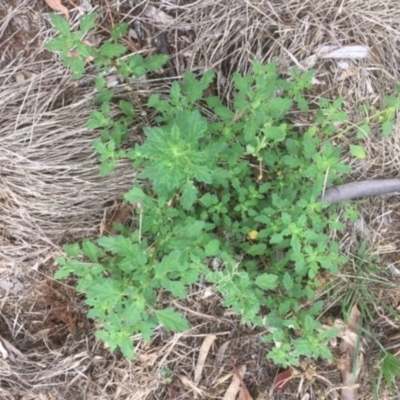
<point x="352" y="355"/>
<point x="10" y="351"/>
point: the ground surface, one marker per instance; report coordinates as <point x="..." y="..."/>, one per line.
<point x="51" y="193"/>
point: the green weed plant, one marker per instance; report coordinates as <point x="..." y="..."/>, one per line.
<point x="231" y="197"/>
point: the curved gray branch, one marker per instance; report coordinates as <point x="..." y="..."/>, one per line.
<point x="355" y="190"/>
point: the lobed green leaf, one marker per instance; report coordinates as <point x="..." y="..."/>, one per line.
<point x="172" y="320"/>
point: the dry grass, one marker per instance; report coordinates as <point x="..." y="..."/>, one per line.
<point x="51" y="192"/>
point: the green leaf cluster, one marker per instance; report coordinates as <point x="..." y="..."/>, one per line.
<point x="234" y="185"/>
<point x="75" y="51"/>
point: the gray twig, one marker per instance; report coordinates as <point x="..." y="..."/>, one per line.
<point x="356" y="190"/>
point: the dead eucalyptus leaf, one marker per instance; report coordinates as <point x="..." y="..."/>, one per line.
<point x="221" y="353"/>
<point x="203" y="352"/>
<point x="189" y="384"/>
<point x="234" y="387"/>
<point x="243" y="392"/>
<point x="282" y="380"/>
<point x="57" y="6"/>
<point x="353" y="321"/>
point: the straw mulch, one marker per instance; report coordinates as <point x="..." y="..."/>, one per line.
<point x="51" y="191"/>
